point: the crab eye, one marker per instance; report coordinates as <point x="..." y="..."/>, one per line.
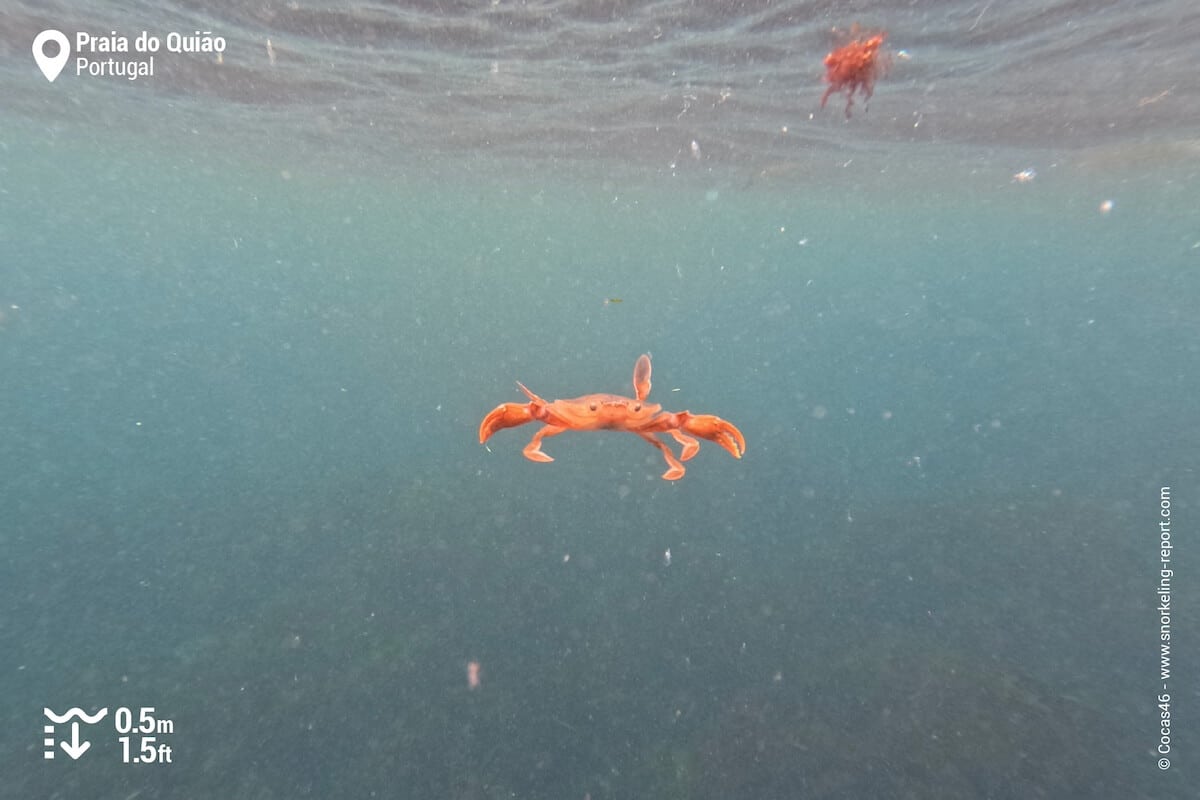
<point x="637" y="406"/>
<point x="591" y="406"/>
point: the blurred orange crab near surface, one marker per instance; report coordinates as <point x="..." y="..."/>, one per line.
<point x="855" y="65"/>
<point x="595" y="412"/>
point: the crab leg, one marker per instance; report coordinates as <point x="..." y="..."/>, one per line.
<point x="675" y="468"/>
<point x="533" y="450"/>
<point x="690" y="445"/>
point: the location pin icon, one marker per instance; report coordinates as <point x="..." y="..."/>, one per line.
<point x="51" y="65"/>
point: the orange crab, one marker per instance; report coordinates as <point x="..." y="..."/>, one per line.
<point x="855" y="65"/>
<point x="612" y="412"/>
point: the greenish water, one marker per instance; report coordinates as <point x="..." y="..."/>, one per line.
<point x="242" y="480"/>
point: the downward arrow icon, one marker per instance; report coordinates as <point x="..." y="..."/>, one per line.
<point x="75" y="748"/>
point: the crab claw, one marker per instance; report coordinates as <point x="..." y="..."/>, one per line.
<point x="715" y="429"/>
<point x="505" y="415"/>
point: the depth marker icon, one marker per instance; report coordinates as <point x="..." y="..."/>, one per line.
<point x="74" y="747"/>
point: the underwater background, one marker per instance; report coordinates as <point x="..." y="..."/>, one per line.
<point x="253" y="311"/>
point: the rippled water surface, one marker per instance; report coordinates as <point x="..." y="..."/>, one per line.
<point x="637" y="82"/>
